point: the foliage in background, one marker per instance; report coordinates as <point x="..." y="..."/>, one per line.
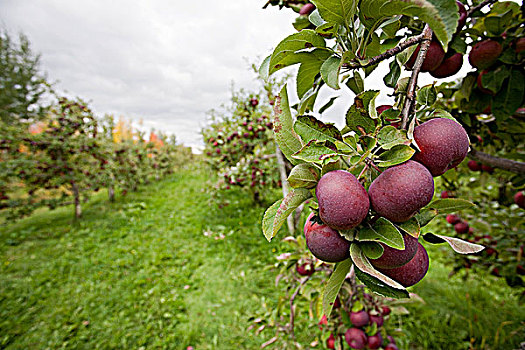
<point x="239" y="143"/>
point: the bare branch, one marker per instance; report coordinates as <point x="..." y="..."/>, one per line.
<point x="412" y="84"/>
<point x="498" y="162"/>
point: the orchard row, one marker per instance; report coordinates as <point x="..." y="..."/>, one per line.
<point x="64" y="157"/>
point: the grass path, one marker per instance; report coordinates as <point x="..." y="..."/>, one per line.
<point x="139" y="272"/>
<point x="160" y="269"/>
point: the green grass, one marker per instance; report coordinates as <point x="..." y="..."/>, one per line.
<point x="147" y="272"/>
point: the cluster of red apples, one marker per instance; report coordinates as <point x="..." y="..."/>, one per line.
<point x="397" y="194"/>
<point x="367" y="316"/>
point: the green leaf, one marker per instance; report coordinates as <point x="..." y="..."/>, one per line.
<point x="356" y="83"/>
<point x="310" y="128"/>
<point x="327" y="30"/>
<point x="301" y="23"/>
<point x="427" y="95"/>
<point x="396" y="155"/>
<point x="510" y="97"/>
<point x="372" y="250"/>
<point x="303" y="176"/>
<point x="494" y="80"/>
<point x="285" y="54"/>
<point x="389" y="137"/>
<point x="317" y="152"/>
<point x="330" y="72"/>
<point x="359" y="118"/>
<point x="382" y="231"/>
<point x="285" y="136"/>
<point x="366" y="100"/>
<point x="441" y="15"/>
<point x="328" y="104"/>
<point x="449" y="205"/>
<point x="497" y="24"/>
<point x="393" y="75"/>
<point x="264" y="69"/>
<point x="411" y="227"/>
<point x="276" y="215"/>
<point x="459" y="245"/>
<point x="337" y="11"/>
<point x="425" y="216"/>
<point x="309" y="69"/>
<point x="334" y="284"/>
<point x="374" y="279"/>
<point x="308" y="101"/>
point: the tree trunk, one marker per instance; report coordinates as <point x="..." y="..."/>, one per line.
<point x="282" y="170"/>
<point x="111" y="193"/>
<point x="76" y="195"/>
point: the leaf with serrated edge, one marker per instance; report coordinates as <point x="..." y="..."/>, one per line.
<point x="305" y="39"/>
<point x="316" y="152"/>
<point x="440" y="15"/>
<point x="285" y="136"/>
<point x="309" y="69"/>
<point x="276" y="215"/>
<point x="425" y="216"/>
<point x="361" y="262"/>
<point x="330" y="72"/>
<point x="310" y="128"/>
<point x="411" y="227"/>
<point x="303" y="176"/>
<point x="336" y="11"/>
<point x="396" y="155"/>
<point x="460" y="246"/>
<point x="372" y="250"/>
<point x="450" y="205"/>
<point x="389" y="137"/>
<point x="334" y="284"/>
<point x="382" y="231"/>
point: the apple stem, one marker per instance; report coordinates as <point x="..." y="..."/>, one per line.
<point x="412" y="84"/>
<point x="498" y="162"/>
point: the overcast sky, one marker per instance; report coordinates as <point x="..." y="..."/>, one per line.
<point x="167" y="62"/>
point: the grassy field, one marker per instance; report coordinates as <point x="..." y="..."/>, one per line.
<point x="163" y="269"/>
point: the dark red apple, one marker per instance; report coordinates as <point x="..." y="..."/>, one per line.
<point x="307" y="9"/>
<point x="356" y="338"/>
<point x="453" y="219"/>
<point x="394" y="257"/>
<point x="412" y="272"/>
<point x="434" y="57"/>
<point x="325" y="243"/>
<point x="343" y="201"/>
<point x="375" y="341"/>
<point x="519" y="199"/>
<point x="449" y="66"/>
<point x="461" y="227"/>
<point x="443" y="144"/>
<point x="484" y="54"/>
<point x="473" y="165"/>
<point x="400" y="191"/>
<point x="359" y="319"/>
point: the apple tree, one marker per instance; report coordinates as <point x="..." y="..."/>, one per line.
<point x="370" y="184"/>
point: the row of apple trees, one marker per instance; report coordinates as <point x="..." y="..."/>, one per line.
<point x="55" y="151"/>
<point x="239" y="144"/>
<point x="478" y="202"/>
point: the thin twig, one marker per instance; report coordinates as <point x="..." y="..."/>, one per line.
<point x="363" y="171"/>
<point x="498" y="162"/>
<point x="479" y="7"/>
<point x="371" y="163"/>
<point x="412" y="84"/>
<point x="388" y="53"/>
